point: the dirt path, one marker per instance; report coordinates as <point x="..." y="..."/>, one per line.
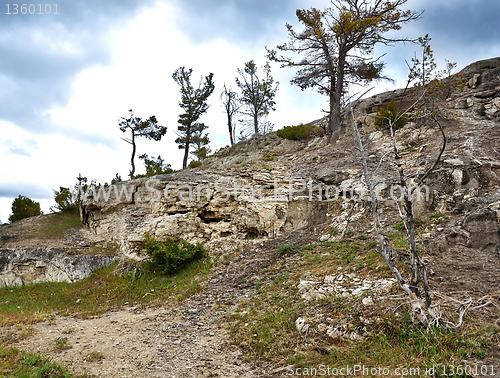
<point x="145" y="343"/>
<point x="187" y="339"/>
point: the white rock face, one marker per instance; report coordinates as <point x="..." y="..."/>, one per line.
<point x="33" y="265"/>
<point x="197" y="207"/>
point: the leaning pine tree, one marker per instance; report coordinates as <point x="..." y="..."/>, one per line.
<point x="337" y="45"/>
<point x="138" y="127"/>
<point x="194" y="103"/>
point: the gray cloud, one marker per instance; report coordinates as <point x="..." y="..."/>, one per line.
<point x="239" y="21"/>
<point x="461" y="31"/>
<point x="42" y="54"/>
<point x="462" y="22"/>
<point x="31" y="190"/>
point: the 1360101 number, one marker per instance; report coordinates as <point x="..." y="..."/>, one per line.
<point x="31" y="9"/>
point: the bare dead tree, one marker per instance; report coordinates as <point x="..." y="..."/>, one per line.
<point x="232" y="106"/>
<point x="417" y="287"/>
<point x="417" y="305"/>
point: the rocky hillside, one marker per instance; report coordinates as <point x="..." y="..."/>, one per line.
<point x="268" y="187"/>
<point x="267" y="193"/>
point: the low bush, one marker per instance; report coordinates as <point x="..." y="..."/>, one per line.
<point x="195" y="164"/>
<point x="172" y="255"/>
<point x="299" y="132"/>
<point x="286" y="249"/>
<point x="390" y="115"/>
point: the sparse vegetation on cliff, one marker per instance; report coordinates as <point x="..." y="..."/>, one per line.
<point x="299" y="132"/>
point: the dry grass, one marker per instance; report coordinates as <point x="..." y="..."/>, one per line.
<point x="264" y="326"/>
<point x="107" y="289"/>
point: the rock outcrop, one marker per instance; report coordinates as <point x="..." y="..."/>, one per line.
<point x="33" y="265"/>
<point x="267" y="187"/>
<point x="202" y="206"/>
<point x="256" y="188"/>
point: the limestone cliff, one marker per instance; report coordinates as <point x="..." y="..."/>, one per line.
<point x="266" y="187"/>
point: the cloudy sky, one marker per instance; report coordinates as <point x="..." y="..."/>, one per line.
<point x="66" y="78"/>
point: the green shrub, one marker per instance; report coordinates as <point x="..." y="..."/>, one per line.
<point x="299" y="132"/>
<point x="64" y="201"/>
<point x="391" y="114"/>
<point x="286" y="249"/>
<point x="399" y="226"/>
<point x="195" y="164"/>
<point x="171" y="255"/>
<point x="268" y="157"/>
<point x="24" y="207"/>
<point x="154" y="166"/>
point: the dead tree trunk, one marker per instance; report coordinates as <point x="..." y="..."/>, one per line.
<point x="417" y="305"/>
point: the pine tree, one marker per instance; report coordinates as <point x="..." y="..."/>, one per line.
<point x="194" y="103"/>
<point x="200" y="142"/>
<point x="337" y="48"/>
<point x="138" y="128"/>
<point x="257" y="94"/>
<point x="24" y="207"/>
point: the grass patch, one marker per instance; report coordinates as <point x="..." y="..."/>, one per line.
<point x="356" y="253"/>
<point x="264" y="326"/>
<point x="15" y="363"/>
<point x="435" y="215"/>
<point x="349" y="233"/>
<point x="399" y="226"/>
<point x="333" y="231"/>
<point x="286" y="249"/>
<point x="267" y="167"/>
<point x="55" y="225"/>
<point x="94" y="356"/>
<point x="62" y="344"/>
<point x="109" y="249"/>
<point x="103" y="291"/>
<point x="268" y="157"/>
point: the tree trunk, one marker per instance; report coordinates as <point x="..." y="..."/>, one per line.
<point x="337" y="96"/>
<point x="187" y="143"/>
<point x="132" y="171"/>
<point x="418" y="268"/>
<point x="256" y="122"/>
<point x="230" y="127"/>
<point x="330" y="126"/>
<point x="186" y="154"/>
